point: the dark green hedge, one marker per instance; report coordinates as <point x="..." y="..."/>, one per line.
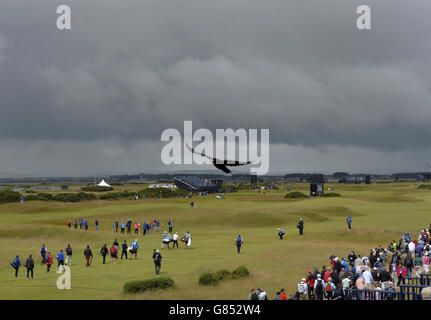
<point x="96" y="189"/>
<point x="295" y="195"/>
<point x="331" y="194"/>
<point x="74" y="197"/>
<point x="8" y="196"/>
<point x="117" y="195"/>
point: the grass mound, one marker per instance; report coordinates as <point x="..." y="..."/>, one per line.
<point x="331" y="194"/>
<point x="240" y="272"/>
<point x="222" y="274"/>
<point x="295" y="195"/>
<point x="209" y="278"/>
<point x="149" y="284"/>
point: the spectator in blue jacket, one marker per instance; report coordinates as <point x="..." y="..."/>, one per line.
<point x="281" y="233"/>
<point x="345" y="264"/>
<point x="238" y="242"/>
<point x="60" y="259"/>
<point x="16" y="263"/>
<point x="144" y="228"/>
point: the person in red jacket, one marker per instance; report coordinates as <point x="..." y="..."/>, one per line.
<point x="48" y="261"/>
<point x="113" y="250"/>
<point x="401" y="273"/>
<point x="326" y="275"/>
<point x="310" y="282"/>
<point x="283" y="295"/>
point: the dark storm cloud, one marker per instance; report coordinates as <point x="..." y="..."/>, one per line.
<point x="128" y="70"/>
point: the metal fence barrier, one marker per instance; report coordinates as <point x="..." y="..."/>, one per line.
<point x="408" y="293"/>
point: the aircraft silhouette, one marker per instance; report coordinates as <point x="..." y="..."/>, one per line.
<point x="221" y="164"/>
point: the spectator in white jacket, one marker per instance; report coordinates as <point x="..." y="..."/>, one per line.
<point x="302" y="290"/>
<point x="261" y="294"/>
<point x="412" y="248"/>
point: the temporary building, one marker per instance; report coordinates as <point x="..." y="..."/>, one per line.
<point x="103" y="184"/>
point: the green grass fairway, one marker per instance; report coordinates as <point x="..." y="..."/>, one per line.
<point x="381" y="213"/>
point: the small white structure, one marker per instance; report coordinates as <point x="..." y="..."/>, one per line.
<point x="103" y="184"/>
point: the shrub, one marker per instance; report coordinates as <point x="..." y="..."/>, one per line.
<point x="117" y="195"/>
<point x="207" y="279"/>
<point x="149" y="284"/>
<point x="74" y="197"/>
<point x="96" y="189"/>
<point x="45" y="196"/>
<point x="9" y="196"/>
<point x="39" y="197"/>
<point x="240" y="272"/>
<point x="163" y="192"/>
<point x="222" y="274"/>
<point x="331" y="194"/>
<point x="295" y="195"/>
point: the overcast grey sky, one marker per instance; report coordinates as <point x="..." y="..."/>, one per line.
<point x="94" y="100"/>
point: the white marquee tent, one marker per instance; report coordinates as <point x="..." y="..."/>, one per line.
<point x="103" y="184"/>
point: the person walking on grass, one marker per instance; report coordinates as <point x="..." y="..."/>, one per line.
<point x="144" y="228"/>
<point x="123" y="227"/>
<point x="48" y="261"/>
<point x="43" y="251"/>
<point x="104" y="252"/>
<point x="60" y="260"/>
<point x="124" y="247"/>
<point x="170" y="226"/>
<point x="281" y="233"/>
<point x="76" y="224"/>
<point x="175" y="240"/>
<point x="157" y="257"/>
<point x="349" y="222"/>
<point x="88" y="255"/>
<point x="114" y="253"/>
<point x="300" y="226"/>
<point x="29" y="264"/>
<point x="16" y="263"/>
<point x="86" y="224"/>
<point x="69" y="255"/>
<point x="238" y="242"/>
<point x="97" y="225"/>
<point x="135" y="246"/>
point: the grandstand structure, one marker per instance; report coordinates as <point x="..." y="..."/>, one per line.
<point x="196" y="184"/>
